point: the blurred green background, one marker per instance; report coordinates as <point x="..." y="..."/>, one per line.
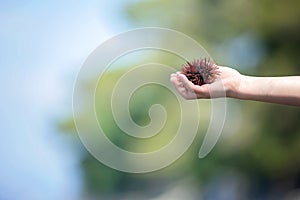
<point x="257" y="156"/>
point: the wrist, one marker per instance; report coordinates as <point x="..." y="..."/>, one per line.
<point x="234" y="89"/>
<point x="248" y="88"/>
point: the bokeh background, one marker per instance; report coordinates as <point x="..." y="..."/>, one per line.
<point x="44" y="44"/>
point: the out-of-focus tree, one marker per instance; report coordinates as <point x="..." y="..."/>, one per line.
<point x="267" y="140"/>
<point x="272" y="153"/>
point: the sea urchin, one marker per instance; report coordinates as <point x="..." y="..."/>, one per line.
<point x="201" y="71"/>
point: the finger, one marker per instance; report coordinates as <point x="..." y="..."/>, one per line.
<point x="178" y="85"/>
<point x="186" y="83"/>
<point x="174" y="80"/>
<point x="202" y="91"/>
<point x="172" y="75"/>
<point x="183" y="86"/>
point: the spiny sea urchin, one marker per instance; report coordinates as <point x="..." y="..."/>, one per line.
<point x="201" y="71"/>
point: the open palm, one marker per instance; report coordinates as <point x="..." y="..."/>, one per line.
<point x="228" y="80"/>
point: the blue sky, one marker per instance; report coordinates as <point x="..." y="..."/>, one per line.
<point x="43" y="44"/>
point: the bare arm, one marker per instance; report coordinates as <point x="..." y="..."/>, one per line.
<point x="281" y="90"/>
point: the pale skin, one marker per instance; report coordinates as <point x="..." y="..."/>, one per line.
<point x="281" y="90"/>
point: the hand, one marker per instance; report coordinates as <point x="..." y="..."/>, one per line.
<point x="226" y="85"/>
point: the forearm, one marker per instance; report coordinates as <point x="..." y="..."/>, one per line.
<point x="281" y="90"/>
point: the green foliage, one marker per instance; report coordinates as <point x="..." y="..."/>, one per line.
<point x="268" y="138"/>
